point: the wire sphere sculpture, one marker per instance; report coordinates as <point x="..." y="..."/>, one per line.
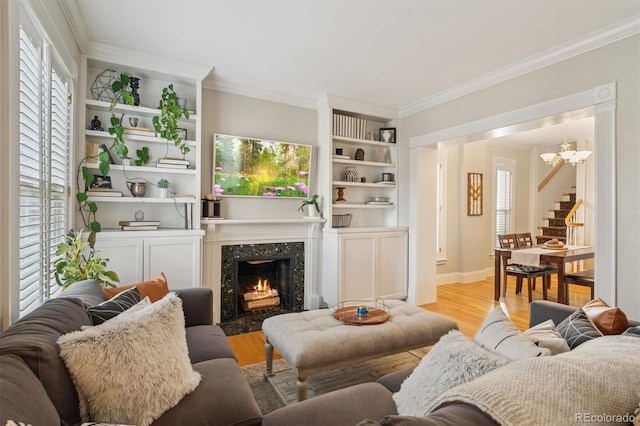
<point x="102" y="90"/>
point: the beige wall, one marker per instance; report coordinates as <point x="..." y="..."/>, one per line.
<point x="243" y="116"/>
<point x="619" y="62"/>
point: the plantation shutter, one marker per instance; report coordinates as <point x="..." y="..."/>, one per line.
<point x="504" y="205"/>
<point x="44" y="157"/>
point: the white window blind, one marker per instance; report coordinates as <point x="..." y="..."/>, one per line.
<point x="44" y="158"/>
<point x="504" y="202"/>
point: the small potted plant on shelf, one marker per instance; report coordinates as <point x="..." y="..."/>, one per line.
<point x="80" y="261"/>
<point x="313" y="206"/>
<point x="163" y="185"/>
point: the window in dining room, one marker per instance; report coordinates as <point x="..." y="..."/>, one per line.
<point x="504" y="172"/>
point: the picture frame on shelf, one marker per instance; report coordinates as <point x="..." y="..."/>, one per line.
<point x="387" y="134"/>
<point x="182" y="133"/>
<point x="103" y="148"/>
<point x="101" y="182"/>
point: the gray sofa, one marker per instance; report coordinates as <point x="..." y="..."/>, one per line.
<point x="35" y="386"/>
<point x="372" y="403"/>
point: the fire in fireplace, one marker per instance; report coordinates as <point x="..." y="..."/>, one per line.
<point x="262" y="296"/>
<point x="263" y="284"/>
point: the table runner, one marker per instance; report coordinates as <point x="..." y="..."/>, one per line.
<point x="531" y="256"/>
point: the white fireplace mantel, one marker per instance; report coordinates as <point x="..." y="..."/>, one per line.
<point x="222" y="232"/>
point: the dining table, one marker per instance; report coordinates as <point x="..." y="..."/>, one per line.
<point x="539" y="255"/>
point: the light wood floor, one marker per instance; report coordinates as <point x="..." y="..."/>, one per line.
<point x="468" y="304"/>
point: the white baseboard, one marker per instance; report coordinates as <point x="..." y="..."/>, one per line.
<point x="464" y="277"/>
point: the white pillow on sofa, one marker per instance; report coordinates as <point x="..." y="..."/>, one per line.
<point x="498" y="334"/>
<point x="545" y="335"/>
<point x="132" y="368"/>
<point x="454" y="360"/>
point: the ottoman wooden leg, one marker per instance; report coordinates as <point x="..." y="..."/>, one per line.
<point x="268" y="352"/>
<point x="301" y="388"/>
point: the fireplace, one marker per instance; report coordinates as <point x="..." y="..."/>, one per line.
<point x="259" y="281"/>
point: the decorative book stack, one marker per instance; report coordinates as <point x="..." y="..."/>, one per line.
<point x="172" y="163"/>
<point x="139" y="131"/>
<point x="103" y="192"/>
<point x="139" y="225"/>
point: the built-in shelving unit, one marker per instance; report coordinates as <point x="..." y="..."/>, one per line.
<point x="368" y="259"/>
<point x="142" y="254"/>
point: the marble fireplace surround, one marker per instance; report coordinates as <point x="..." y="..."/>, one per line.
<point x="232" y="232"/>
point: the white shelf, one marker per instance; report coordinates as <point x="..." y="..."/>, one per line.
<point x="365" y="142"/>
<point x="364" y="184"/>
<point x="138" y="110"/>
<point x="363" y="163"/>
<point x="362" y="206"/>
<point x="145" y="169"/>
<point x="128" y="137"/>
<point x="144" y="200"/>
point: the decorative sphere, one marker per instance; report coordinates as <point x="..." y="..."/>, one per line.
<point x="139" y="215"/>
<point x="102" y="90"/>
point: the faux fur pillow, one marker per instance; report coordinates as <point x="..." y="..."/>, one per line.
<point x="452" y="361"/>
<point x="131" y="369"/>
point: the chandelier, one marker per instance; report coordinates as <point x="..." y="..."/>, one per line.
<point x="568" y="153"/>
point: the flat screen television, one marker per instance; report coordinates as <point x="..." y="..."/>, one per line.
<point x="250" y="167"/>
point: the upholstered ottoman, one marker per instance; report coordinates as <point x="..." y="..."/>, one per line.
<point x="314" y="341"/>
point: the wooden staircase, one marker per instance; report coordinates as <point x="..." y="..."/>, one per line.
<point x="555" y="225"/>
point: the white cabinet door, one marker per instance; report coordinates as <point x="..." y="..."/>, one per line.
<point x="358" y="267"/>
<point x="178" y="258"/>
<point x="392" y="266"/>
<point x="125" y="257"/>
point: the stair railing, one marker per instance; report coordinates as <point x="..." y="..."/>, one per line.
<point x="575" y="230"/>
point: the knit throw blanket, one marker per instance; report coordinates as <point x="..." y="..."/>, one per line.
<point x="598" y="382"/>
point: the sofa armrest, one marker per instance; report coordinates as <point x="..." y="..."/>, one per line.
<point x="393" y="381"/>
<point x="542" y="310"/>
<point x="343" y="407"/>
<point x="197" y="304"/>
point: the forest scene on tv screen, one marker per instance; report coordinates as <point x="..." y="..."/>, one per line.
<point x="260" y="168"/>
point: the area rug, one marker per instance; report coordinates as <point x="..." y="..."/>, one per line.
<point x="280" y="389"/>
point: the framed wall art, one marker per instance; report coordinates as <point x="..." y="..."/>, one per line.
<point x="474" y="194"/>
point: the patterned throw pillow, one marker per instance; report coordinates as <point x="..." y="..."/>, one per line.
<point x="114" y="306"/>
<point x="632" y="331"/>
<point x="498" y="335"/>
<point x="545" y="335"/>
<point x="577" y="328"/>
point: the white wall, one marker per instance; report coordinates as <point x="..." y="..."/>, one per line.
<point x="619" y="62"/>
<point x="243" y="116"/>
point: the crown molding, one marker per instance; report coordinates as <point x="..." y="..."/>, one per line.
<point x="217" y="84"/>
<point x="366" y="109"/>
<point x="591" y="41"/>
<point x="75" y="20"/>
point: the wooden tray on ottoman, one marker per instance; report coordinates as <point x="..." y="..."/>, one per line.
<point x="349" y="314"/>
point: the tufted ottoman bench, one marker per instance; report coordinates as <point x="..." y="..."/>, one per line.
<point x="314" y="341"/>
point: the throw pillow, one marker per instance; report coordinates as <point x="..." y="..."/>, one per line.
<point x="114" y="306"/>
<point x="608" y="320"/>
<point x="452" y="361"/>
<point x="577" y="328"/>
<point x="498" y="334"/>
<point x="545" y="335"/>
<point x="133" y="368"/>
<point x="156" y="288"/>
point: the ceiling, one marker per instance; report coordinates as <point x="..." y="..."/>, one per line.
<point x="392" y="53"/>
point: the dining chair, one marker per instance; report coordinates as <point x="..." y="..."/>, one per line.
<point x="524" y="239"/>
<point x="531" y="273"/>
<point x="585" y="278"/>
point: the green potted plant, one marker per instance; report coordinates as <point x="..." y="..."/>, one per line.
<point x="312" y="205"/>
<point x="80" y="261"/>
<point x="163" y="185"/>
<point x="166" y="124"/>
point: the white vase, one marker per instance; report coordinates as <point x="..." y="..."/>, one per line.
<point x="311" y="210"/>
<point x="164" y="192"/>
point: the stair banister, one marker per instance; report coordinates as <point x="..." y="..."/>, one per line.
<point x="572" y="212"/>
